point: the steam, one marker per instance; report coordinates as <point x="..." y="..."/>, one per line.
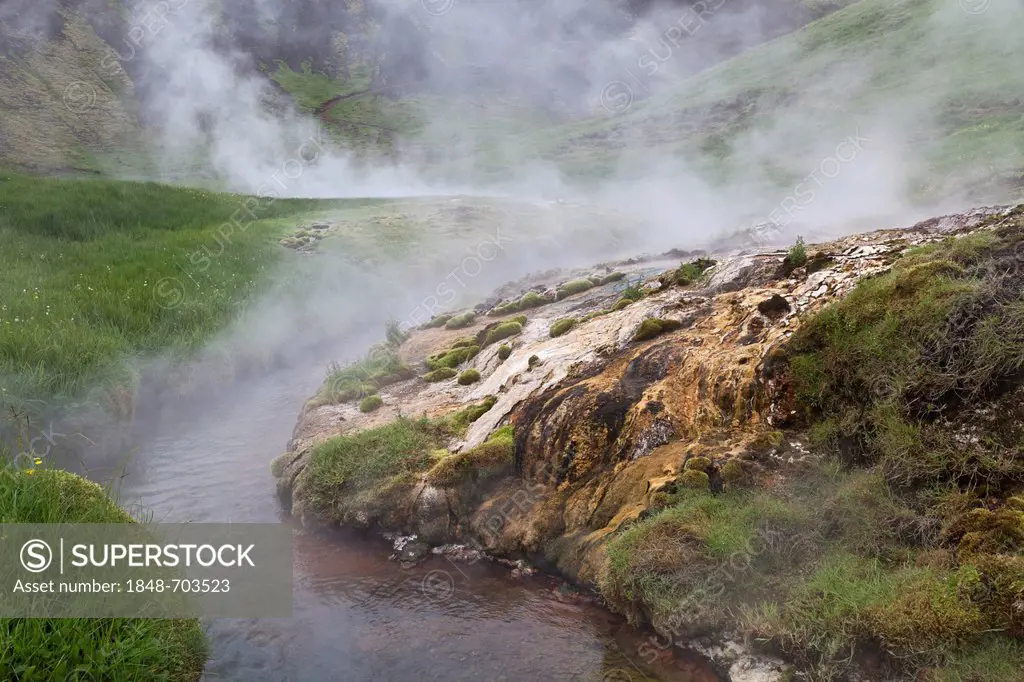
<point x="594" y="104"/>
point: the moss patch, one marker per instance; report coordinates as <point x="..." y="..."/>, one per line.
<point x="503" y="331"/>
<point x="440" y="374"/>
<point x="371" y="404"/>
<point x="562" y="326"/>
<point x="453" y="357"/>
<point x="460" y="321"/>
<point x="438" y="321"/>
<point x="572" y="287"/>
<point x="698" y="464"/>
<point x="653" y="326"/>
<point x="487" y="460"/>
<point x="532" y="300"/>
<point x="470" y="376"/>
<point x="459" y="422"/>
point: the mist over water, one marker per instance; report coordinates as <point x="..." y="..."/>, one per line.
<point x="555" y="121"/>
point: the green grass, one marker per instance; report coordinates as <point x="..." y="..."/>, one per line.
<point x="380" y="367"/>
<point x="476" y="465"/>
<point x="919" y="536"/>
<point x="364" y="123"/>
<point x="673" y="557"/>
<point x="78" y="649"/>
<point x="904" y="50"/>
<point x="918" y="614"/>
<point x="995" y="659"/>
<point x="95" y="272"/>
<point x="875" y="368"/>
<point x="345" y="467"/>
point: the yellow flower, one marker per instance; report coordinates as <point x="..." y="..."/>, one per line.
<point x="38" y="461"/>
<point x="30" y="471"/>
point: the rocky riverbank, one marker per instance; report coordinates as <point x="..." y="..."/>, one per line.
<point x="675" y="431"/>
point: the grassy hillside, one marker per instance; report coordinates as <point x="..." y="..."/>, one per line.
<point x="946" y="81"/>
<point x="63" y="106"/>
<point x="95" y="271"/>
<point x="923" y="73"/>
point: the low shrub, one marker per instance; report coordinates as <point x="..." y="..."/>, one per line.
<point x="394" y="333"/>
<point x="632" y="293"/>
<point x="797" y="255"/>
<point x="504" y="350"/>
<point x="688" y="273"/>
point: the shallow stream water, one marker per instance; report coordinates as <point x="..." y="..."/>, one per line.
<point x="357" y="615"/>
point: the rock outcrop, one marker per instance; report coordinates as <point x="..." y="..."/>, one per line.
<point x="662" y="382"/>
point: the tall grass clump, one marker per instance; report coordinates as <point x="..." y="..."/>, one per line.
<point x="91" y="275"/>
<point x="101" y="649"/>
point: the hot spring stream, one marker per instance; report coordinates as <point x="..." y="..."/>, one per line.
<point x="357" y="615"/>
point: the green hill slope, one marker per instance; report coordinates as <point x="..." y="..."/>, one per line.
<point x="940" y="82"/>
<point x="943" y="82"/>
<point x="60" y="109"/>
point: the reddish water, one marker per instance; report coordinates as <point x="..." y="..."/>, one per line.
<point x="358" y="616"/>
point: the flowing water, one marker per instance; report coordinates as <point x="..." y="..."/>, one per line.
<point x="357" y="615"/>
